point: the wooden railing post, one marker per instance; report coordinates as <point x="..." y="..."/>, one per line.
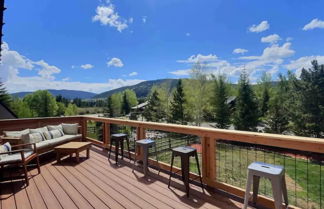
<point x="140" y="134"/>
<point x="208" y="159"/>
<point x="84" y="129"/>
<point x="106" y="131"/>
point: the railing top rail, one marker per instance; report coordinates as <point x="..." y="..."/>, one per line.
<point x="284" y="141"/>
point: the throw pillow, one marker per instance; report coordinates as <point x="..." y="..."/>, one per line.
<point x="5" y="148"/>
<point x="70" y="128"/>
<point x="57" y="127"/>
<point x="56" y="133"/>
<point x="42" y="131"/>
<point x="32" y="138"/>
<point x="16" y="134"/>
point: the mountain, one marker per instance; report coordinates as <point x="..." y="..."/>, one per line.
<point x="69" y="94"/>
<point x="141" y="89"/>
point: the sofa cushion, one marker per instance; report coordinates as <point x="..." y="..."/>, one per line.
<point x="64" y="139"/>
<point x="43" y="131"/>
<point x="43" y="144"/>
<point x="16" y="134"/>
<point x="32" y="138"/>
<point x="70" y="128"/>
<point x="14" y="157"/>
<point x="56" y="133"/>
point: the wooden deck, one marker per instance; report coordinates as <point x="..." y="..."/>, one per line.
<point x="96" y="183"/>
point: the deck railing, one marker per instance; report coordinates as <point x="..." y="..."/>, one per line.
<point x="224" y="154"/>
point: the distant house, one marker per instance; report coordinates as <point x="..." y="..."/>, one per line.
<point x="138" y="110"/>
<point x="6" y="113"/>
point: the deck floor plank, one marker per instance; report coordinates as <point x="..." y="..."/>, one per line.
<point x="140" y="183"/>
<point x="35" y="198"/>
<point x="97" y="183"/>
<point x="46" y="192"/>
<point x="74" y="194"/>
<point x="58" y="191"/>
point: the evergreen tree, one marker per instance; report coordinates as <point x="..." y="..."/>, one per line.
<point x="177" y="105"/>
<point x="110" y="107"/>
<point x="153" y="111"/>
<point x="308" y="111"/>
<point x="246" y="113"/>
<point x="5" y="98"/>
<point x="220" y="107"/>
<point x="125" y="105"/>
<point x="277" y="119"/>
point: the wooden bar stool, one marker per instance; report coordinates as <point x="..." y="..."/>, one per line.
<point x="146" y="144"/>
<point x="118" y="139"/>
<point x="275" y="173"/>
<point x="185" y="153"/>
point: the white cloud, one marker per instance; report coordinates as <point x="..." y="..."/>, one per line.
<point x="274" y="38"/>
<point x="264" y="25"/>
<point x="13" y="62"/>
<point x="181" y="72"/>
<point x="303" y="62"/>
<point x="188" y="34"/>
<point x="87" y="66"/>
<point x="239" y="51"/>
<point x="107" y="15"/>
<point x="144" y="19"/>
<point x="115" y="62"/>
<point x="133" y="74"/>
<point x="45" y="70"/>
<point x="199" y="58"/>
<point x="131" y="20"/>
<point x="315" y="23"/>
<point x="270" y="60"/>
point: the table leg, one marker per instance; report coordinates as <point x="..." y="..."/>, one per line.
<point x="77" y="156"/>
<point x="88" y="153"/>
<point x="58" y="157"/>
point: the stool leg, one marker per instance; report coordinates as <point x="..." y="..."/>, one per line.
<point x="116" y="150"/>
<point x="247" y="191"/>
<point x="156" y="157"/>
<point x="277" y="192"/>
<point x="284" y="189"/>
<point x="129" y="154"/>
<point x="145" y="160"/>
<point x="172" y="159"/>
<point x="198" y="167"/>
<point x="186" y="169"/>
<point x="134" y="159"/>
<point x="256" y="182"/>
<point x="110" y="147"/>
<point x="122" y="148"/>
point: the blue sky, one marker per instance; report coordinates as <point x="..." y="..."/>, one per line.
<point x="97" y="45"/>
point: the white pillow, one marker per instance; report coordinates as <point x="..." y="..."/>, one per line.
<point x="43" y="131"/>
<point x="70" y="128"/>
<point x="32" y="138"/>
<point x="5" y="148"/>
<point x="51" y="127"/>
<point x="16" y="134"/>
<point x="56" y="134"/>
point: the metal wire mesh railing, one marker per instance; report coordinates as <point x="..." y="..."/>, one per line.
<point x="303" y="170"/>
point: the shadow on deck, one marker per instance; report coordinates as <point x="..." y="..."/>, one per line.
<point x="98" y="183"/>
